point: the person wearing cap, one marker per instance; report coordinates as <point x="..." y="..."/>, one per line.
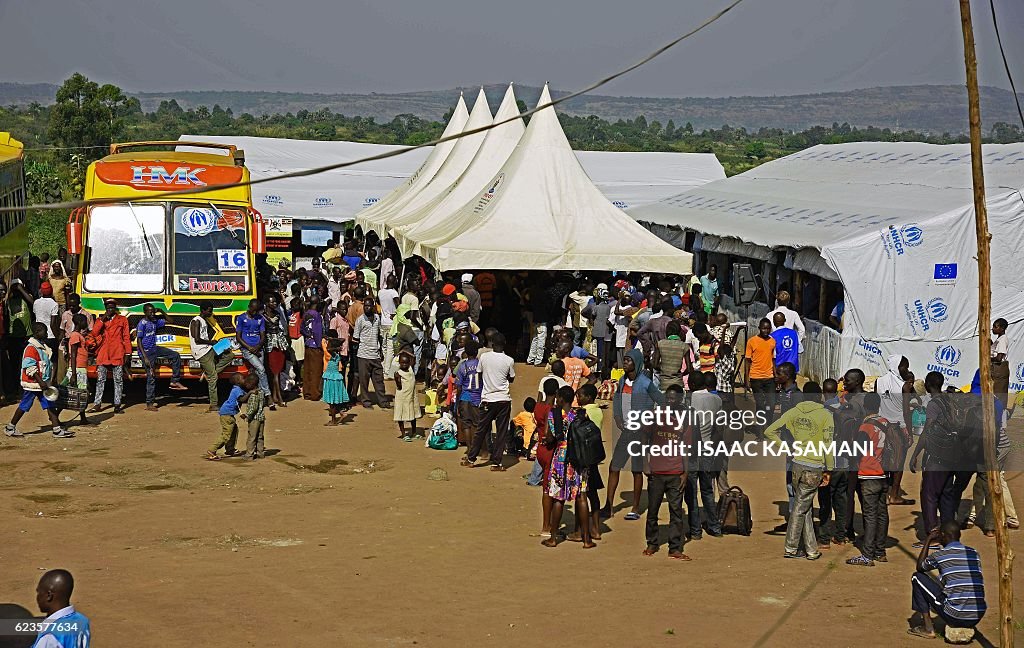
<point x="472" y="296"/>
<point x="115" y="345"/>
<point x="47" y="312"/>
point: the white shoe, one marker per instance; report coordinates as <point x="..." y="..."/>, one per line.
<point x="62" y="433"/>
<point x="12" y="431"/>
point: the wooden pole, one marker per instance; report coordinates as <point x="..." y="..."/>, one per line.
<point x="995" y="491"/>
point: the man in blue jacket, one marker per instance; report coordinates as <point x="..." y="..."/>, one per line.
<point x="636" y="393"/>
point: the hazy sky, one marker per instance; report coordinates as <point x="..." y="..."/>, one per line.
<point x="763" y="47"/>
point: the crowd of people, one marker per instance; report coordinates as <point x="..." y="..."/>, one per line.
<point x="337" y="331"/>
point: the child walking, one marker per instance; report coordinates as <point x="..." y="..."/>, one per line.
<point x="254" y="415"/>
<point x="231" y="407"/>
<point x="335" y="394"/>
<point x="406" y="407"/>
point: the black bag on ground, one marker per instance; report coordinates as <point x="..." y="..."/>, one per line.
<point x="585" y="447"/>
<point x="734" y="512"/>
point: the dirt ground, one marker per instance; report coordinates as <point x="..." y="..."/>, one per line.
<point x="340" y="539"/>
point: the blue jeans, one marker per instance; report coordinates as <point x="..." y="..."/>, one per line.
<point x="700" y="480"/>
<point x="535" y="475"/>
<point x="151" y="356"/>
<point x="256" y="362"/>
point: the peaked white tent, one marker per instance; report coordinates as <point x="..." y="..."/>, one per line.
<point x="435" y="222"/>
<point x="397" y="197"/>
<point x="458" y="160"/>
<point x="541" y="211"/>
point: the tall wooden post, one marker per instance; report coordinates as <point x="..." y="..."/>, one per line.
<point x="995" y="491"/>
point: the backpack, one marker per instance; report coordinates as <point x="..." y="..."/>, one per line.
<point x="734" y="511"/>
<point x="893" y="444"/>
<point x="848" y="417"/>
<point x="585" y="447"/>
<point x="956" y="439"/>
<point x="443" y="434"/>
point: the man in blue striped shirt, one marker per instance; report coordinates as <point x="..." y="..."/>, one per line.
<point x="958" y="597"/>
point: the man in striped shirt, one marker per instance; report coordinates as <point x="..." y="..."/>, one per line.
<point x="959" y="594"/>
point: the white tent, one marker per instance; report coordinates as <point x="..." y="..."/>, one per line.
<point x="458" y="160"/>
<point x="541" y="211"/>
<point x="626" y="178"/>
<point x="422" y="177"/>
<point x="893" y="222"/>
<point x="434" y="223"/>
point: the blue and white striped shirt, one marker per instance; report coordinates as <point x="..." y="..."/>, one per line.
<point x="962" y="583"/>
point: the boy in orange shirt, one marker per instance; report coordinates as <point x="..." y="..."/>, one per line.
<point x="759" y="372"/>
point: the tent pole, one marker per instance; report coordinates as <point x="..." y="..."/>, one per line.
<point x="995" y="491"/>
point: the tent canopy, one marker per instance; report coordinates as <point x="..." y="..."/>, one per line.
<point x="833" y="191"/>
<point x="541" y="211"/>
<point x="625" y="178"/>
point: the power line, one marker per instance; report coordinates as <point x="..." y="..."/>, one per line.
<point x="389" y="154"/>
<point x="1013" y="88"/>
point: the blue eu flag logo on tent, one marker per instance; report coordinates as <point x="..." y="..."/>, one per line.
<point x="945" y="272"/>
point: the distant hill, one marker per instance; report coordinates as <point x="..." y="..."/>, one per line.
<point x="927" y="108"/>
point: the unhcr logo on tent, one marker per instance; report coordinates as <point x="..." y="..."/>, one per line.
<point x="370" y="201"/>
<point x="897" y="240"/>
<point x="934" y="312"/>
<point x="321" y="202"/>
<point x="1018" y="385"/>
<point x="947" y="357"/>
<point x="272" y="199"/>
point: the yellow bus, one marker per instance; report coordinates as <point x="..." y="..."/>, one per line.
<point x="13" y="228"/>
<point x="174" y="252"/>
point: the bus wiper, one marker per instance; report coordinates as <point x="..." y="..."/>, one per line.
<point x="142" y="228"/>
<point x="230" y="231"/>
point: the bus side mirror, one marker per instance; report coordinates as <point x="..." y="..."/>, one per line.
<point x="75" y="231"/>
<point x="258" y="230"/>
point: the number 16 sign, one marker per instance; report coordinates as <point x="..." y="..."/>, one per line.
<point x="232" y="260"/>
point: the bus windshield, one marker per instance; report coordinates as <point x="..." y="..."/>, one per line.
<point x="210" y="252"/>
<point x="126" y="249"/>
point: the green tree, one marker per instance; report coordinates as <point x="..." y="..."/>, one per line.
<point x="82" y="117"/>
<point x="755" y="150"/>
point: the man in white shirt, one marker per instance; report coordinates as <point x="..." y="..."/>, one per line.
<point x="793" y="319"/>
<point x="557" y="374"/>
<point x="497" y="372"/>
<point x="45" y="311"/>
<point x="334" y="287"/>
<point x="388" y="298"/>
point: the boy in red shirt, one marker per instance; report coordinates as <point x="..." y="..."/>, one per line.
<point x="874" y="484"/>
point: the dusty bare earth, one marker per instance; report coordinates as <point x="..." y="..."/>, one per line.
<point x="340" y="539"/>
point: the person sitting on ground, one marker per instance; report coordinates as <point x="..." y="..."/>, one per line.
<point x="958" y="596"/>
<point x="524" y="425"/>
<point x="64" y="625"/>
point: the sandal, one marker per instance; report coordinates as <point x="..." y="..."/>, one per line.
<point x="211" y="456"/>
<point x="679" y="556"/>
<point x="177" y="386"/>
<point x="494" y="468"/>
<point x="919" y="631"/>
<point x="466" y="463"/>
